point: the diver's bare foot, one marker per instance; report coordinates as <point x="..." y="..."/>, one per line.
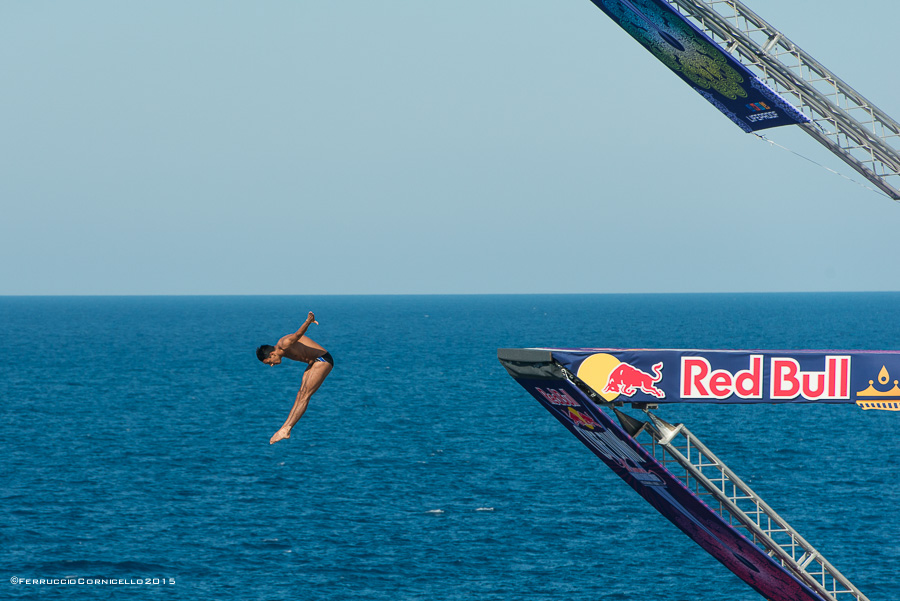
<point x="280" y="435"/>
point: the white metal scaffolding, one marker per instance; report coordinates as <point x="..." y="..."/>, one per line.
<point x="853" y="128"/>
<point x="683" y="455"/>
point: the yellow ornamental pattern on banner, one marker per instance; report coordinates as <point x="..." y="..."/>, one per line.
<point x="884" y="400"/>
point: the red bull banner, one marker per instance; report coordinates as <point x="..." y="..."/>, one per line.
<point x="575" y="410"/>
<point x="867" y="378"/>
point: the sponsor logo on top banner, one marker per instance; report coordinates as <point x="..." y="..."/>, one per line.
<point x="756" y="117"/>
<point x="786" y="379"/>
<point x="760" y="111"/>
<point x="758" y="107"/>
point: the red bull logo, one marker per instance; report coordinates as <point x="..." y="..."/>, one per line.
<point x="610" y="377"/>
<point x="786" y="380"/>
<point x="582" y="419"/>
<point x="558" y="397"/>
<point x="626" y="379"/>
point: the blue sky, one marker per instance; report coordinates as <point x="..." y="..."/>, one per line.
<point x="357" y="147"/>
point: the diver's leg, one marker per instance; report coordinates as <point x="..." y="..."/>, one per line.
<point x="312" y="379"/>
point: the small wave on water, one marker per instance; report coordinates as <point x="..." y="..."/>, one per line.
<point x="268" y="543"/>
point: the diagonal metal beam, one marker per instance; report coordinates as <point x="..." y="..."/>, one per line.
<point x="733" y="499"/>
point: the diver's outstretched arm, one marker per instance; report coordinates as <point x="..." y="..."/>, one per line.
<point x="290" y="339"/>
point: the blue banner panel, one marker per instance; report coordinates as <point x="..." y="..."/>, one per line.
<point x="867" y="378"/>
<point x="628" y="459"/>
<point x="702" y="64"/>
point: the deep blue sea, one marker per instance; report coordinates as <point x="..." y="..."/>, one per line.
<point x="134" y="441"/>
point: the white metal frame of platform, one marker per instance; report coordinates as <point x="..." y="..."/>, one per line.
<point x="844" y="121"/>
<point x="721" y="489"/>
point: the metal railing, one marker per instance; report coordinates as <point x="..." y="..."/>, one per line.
<point x="688" y="459"/>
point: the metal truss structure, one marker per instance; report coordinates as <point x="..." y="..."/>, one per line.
<point x="711" y="480"/>
<point x="843" y="121"/>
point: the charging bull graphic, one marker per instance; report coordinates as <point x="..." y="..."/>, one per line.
<point x="625" y="379"/>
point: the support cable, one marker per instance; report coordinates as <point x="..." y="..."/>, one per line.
<point x="825" y="167"/>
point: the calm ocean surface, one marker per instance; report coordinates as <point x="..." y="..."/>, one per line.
<point x="134" y="440"/>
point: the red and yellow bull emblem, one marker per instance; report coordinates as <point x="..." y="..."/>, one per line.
<point x="610" y="377"/>
<point x="582" y="419"/>
<point x="626" y="379"/>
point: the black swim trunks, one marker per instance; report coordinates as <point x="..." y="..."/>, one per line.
<point x="326" y="358"/>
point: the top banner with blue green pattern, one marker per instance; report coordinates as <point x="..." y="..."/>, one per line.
<point x="702" y="64"/>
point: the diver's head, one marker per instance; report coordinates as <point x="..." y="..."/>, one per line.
<point x="266" y="354"/>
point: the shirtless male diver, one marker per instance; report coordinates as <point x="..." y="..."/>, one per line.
<point x="299" y="347"/>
